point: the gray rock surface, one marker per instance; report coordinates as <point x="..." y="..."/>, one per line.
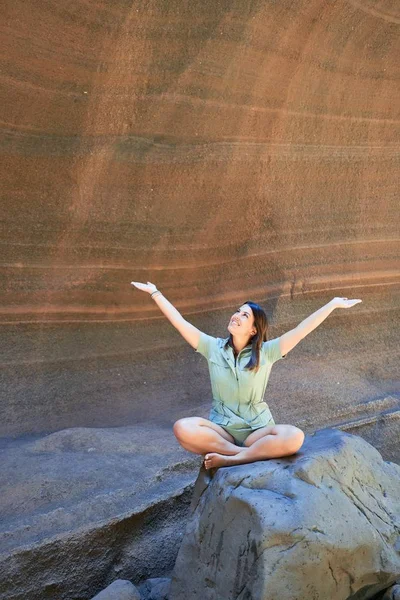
<point x="393" y="593"/>
<point x="83" y="506"/>
<point x="121" y="589"/>
<point x="156" y="588"/>
<point x="323" y="524"/>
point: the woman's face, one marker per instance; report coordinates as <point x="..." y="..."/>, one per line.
<point x="242" y="322"/>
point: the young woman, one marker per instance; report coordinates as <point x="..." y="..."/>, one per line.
<point x="240" y="428"/>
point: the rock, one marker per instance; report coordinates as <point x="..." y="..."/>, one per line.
<point x="84" y="506"/>
<point x="393" y="593"/>
<point x="302" y="125"/>
<point x="155" y="589"/>
<point x="121" y="589"/>
<point x="323" y="524"/>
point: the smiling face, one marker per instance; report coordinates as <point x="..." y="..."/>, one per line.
<point x="242" y="323"/>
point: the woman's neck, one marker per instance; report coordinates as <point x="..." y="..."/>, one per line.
<point x="238" y="344"/>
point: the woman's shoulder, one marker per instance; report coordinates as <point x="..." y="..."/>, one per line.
<point x="208" y="344"/>
<point x="272" y="350"/>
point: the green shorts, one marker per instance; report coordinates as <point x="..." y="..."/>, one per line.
<point x="236" y="426"/>
<point x="240" y="435"/>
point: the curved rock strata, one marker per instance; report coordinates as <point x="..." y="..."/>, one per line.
<point x="224" y="150"/>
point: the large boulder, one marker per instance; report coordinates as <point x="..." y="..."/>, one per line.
<point x="82" y="507"/>
<point x="323" y="524"/>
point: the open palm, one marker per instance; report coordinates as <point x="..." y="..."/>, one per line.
<point x="345" y="302"/>
<point x="149" y="287"/>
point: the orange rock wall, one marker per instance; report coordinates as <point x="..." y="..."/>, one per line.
<point x="224" y="150"/>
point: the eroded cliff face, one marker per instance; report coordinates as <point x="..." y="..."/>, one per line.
<point x="224" y="151"/>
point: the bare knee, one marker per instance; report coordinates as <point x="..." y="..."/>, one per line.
<point x="184" y="427"/>
<point x="295" y="439"/>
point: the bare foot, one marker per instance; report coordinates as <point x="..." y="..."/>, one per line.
<point x="213" y="459"/>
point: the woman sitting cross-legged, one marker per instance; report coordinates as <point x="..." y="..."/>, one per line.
<point x="240" y="428"/>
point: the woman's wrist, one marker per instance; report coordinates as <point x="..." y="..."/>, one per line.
<point x="153" y="294"/>
<point x="333" y="303"/>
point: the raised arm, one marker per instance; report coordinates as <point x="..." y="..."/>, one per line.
<point x="289" y="340"/>
<point x="188" y="331"/>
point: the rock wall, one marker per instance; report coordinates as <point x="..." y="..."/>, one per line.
<point x="224" y="151"/>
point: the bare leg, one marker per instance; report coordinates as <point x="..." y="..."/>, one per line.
<point x="199" y="436"/>
<point x="274" y="442"/>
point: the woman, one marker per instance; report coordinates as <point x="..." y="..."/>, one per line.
<point x="240" y="428"/>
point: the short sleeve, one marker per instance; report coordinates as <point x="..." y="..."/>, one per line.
<point x="207" y="344"/>
<point x="272" y="351"/>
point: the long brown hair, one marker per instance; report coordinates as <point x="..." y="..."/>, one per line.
<point x="261" y="325"/>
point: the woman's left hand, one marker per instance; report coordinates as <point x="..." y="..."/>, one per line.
<point x="344" y="302"/>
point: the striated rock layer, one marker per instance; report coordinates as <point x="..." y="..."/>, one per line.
<point x="223" y="151"/>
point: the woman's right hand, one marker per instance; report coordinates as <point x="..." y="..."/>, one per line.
<point x="149" y="287"/>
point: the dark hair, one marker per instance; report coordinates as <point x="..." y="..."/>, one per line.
<point x="261" y="325"/>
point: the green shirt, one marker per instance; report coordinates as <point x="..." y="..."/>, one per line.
<point x="238" y="393"/>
